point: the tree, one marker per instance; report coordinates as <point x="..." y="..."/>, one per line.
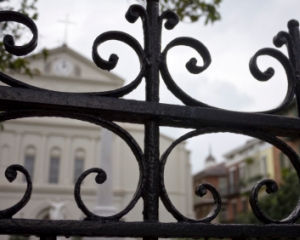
<point x="277" y="205"/>
<point x="192" y="9"/>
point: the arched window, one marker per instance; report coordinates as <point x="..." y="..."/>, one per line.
<point x="47" y="67"/>
<point x="55" y="155"/>
<point x="5" y="160"/>
<point x="78" y="164"/>
<point x="44" y="214"/>
<point x="29" y="161"/>
<point x="77" y="71"/>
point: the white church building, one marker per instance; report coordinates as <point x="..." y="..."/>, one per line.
<point x="55" y="151"/>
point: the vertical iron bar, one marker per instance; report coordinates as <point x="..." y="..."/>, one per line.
<point x="294" y="32"/>
<point x="152" y="49"/>
<point x="48" y="238"/>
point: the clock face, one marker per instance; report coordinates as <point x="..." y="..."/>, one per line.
<point x="63" y="67"/>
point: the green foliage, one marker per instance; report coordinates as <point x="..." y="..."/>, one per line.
<point x="193" y="9"/>
<point x="8" y="62"/>
<point x="255" y="178"/>
<point x="277" y="205"/>
<point x="249" y="160"/>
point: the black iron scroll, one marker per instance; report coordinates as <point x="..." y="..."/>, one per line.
<point x="21" y="100"/>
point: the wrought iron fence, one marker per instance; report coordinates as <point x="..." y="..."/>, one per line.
<point x="103" y="108"/>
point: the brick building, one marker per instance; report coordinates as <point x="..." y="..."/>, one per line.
<point x="215" y="174"/>
<point x="242" y="168"/>
<point x="234" y="178"/>
<point x="245" y="166"/>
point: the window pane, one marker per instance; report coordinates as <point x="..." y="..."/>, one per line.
<point x="223" y="185"/>
<point x="281" y="157"/>
<point x="264" y="166"/>
<point x="245" y="205"/>
<point x="223" y="215"/>
<point x="242" y="172"/>
<point x="78" y="168"/>
<point x="29" y="165"/>
<point x="234" y="210"/>
<point x="54" y="169"/>
<point x="231" y="182"/>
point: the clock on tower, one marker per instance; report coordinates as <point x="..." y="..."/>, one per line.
<point x="63" y="67"/>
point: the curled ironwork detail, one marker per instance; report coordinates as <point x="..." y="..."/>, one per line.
<point x="11" y="174"/>
<point x="100" y="178"/>
<point x="9" y="42"/>
<point x="269" y="73"/>
<point x="123" y="134"/>
<point x="152" y="60"/>
<point x="200" y="190"/>
<point x="16" y="83"/>
<point x="287" y="63"/>
<point x="171" y="17"/>
<point x="284" y="38"/>
<point x="291" y="40"/>
<point x="191" y="66"/>
<point x="134" y="12"/>
<point x="113" y="60"/>
<point x="270" y="184"/>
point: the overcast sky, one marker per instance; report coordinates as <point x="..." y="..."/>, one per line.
<point x="246" y="26"/>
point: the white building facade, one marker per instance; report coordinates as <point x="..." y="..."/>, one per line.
<point x="56" y="151"/>
<point x="248" y="164"/>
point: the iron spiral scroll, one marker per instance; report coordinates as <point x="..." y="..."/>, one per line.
<point x="105" y="108"/>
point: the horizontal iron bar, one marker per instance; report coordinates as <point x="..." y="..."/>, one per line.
<point x="143" y="229"/>
<point x="123" y="110"/>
